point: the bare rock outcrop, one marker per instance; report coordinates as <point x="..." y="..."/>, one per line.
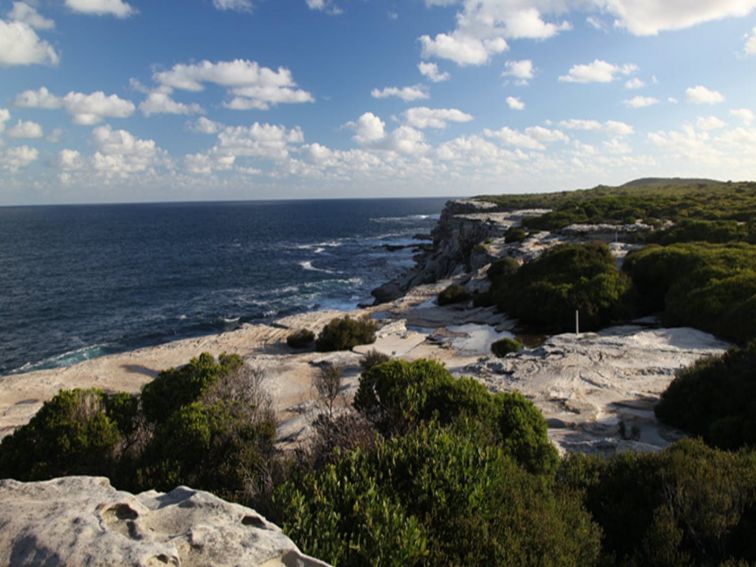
<point x="81" y="520"/>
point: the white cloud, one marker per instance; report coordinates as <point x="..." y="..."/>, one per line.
<point x="70" y="160"/>
<point x="408" y="141"/>
<point x="208" y="163"/>
<point x="20" y="45"/>
<point x="204" y="125"/>
<point x="745" y="115"/>
<point x="641" y="101"/>
<point x="258" y="140"/>
<point x="710" y="123"/>
<point x="158" y="102"/>
<point x="701" y="95"/>
<point x="521" y="70"/>
<point x="634" y="83"/>
<point x="533" y="138"/>
<point x="598" y="71"/>
<point x="750" y="44"/>
<point x="515" y="103"/>
<point x="407" y="94"/>
<point x="432" y="73"/>
<point x="368" y="129"/>
<point x="18" y="157"/>
<point x="117" y="8"/>
<point x="423" y="117"/>
<point x="252" y="86"/>
<point x="612" y="127"/>
<point x="461" y="48"/>
<point x="26" y="129"/>
<point x="120" y="153"/>
<point x="4" y="117"/>
<point x="236" y="5"/>
<point x="85" y="109"/>
<point x="324" y="6"/>
<point x="23" y="12"/>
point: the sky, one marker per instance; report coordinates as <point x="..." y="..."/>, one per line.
<point x="185" y="100"/>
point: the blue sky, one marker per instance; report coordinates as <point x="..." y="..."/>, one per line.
<point x="153" y="100"/>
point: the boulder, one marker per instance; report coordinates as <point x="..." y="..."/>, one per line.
<point x="85" y="521"/>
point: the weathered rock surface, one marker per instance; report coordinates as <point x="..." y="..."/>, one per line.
<point x="83" y="521"/>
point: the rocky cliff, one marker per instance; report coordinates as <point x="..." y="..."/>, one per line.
<point x="85" y="521"/>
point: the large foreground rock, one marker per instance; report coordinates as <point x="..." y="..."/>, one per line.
<point x="83" y="521"/>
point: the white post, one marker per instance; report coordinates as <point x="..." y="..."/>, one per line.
<point x="577" y="322"/>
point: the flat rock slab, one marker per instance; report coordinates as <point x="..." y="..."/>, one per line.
<point x="85" y="521"/>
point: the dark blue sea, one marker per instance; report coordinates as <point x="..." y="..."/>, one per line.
<point x="78" y="282"/>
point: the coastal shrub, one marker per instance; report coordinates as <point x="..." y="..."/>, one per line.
<point x="182" y="385"/>
<point x="373" y="358"/>
<point x="434" y="497"/>
<point x="708" y="286"/>
<point x="453" y="294"/>
<point x="346" y="333"/>
<point x="502" y="268"/>
<point x="715" y="398"/>
<point x="398" y="395"/>
<point x="693" y="230"/>
<point x="328" y="384"/>
<point x="505" y="346"/>
<point x="515" y="234"/>
<point x="74" y="433"/>
<point x="688" y="505"/>
<point x="547" y="291"/>
<point x="303" y="338"/>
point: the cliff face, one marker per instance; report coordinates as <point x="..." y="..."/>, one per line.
<point x="462" y="226"/>
<point x="85" y="521"/>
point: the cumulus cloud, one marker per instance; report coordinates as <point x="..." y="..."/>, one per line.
<point x="235" y="5"/>
<point x="710" y="123"/>
<point x="522" y="70"/>
<point x="750" y="44"/>
<point x="159" y="102"/>
<point x="701" y="95"/>
<point x="515" y="103"/>
<point x="4" y="117"/>
<point x="598" y="71"/>
<point x="117" y="8"/>
<point x="432" y="72"/>
<point x="640" y="101"/>
<point x="20" y="45"/>
<point x="407" y="94"/>
<point x="532" y="138"/>
<point x="368" y="129"/>
<point x="422" y="117"/>
<point x="120" y="153"/>
<point x="26" y="129"/>
<point x="634" y="83"/>
<point x="85" y="109"/>
<point x="258" y="140"/>
<point x="18" y="157"/>
<point x="461" y="48"/>
<point x="612" y="127"/>
<point x="324" y="6"/>
<point x="23" y="12"/>
<point x="204" y="125"/>
<point x="252" y="86"/>
<point x="745" y="115"/>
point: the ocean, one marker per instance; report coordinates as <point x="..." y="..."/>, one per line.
<point x="81" y="281"/>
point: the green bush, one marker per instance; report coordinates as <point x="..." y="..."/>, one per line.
<point x="73" y="433"/>
<point x="716" y="399"/>
<point x="505" y="346"/>
<point x="502" y="268"/>
<point x="688" y="505"/>
<point x="515" y="234"/>
<point x="346" y="333"/>
<point x="373" y="358"/>
<point x="690" y="230"/>
<point x="547" y="291"/>
<point x="182" y="385"/>
<point x="708" y="286"/>
<point x="397" y="396"/>
<point x="301" y="339"/>
<point x="434" y="497"/>
<point x="453" y="294"/>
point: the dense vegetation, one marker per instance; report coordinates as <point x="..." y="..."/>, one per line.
<point x="547" y="291"/>
<point x="505" y="346"/>
<point x="650" y="200"/>
<point x="303" y="338"/>
<point x="708" y="286"/>
<point x="716" y="399"/>
<point x="346" y="333"/>
<point x="204" y="424"/>
<point x="431" y="470"/>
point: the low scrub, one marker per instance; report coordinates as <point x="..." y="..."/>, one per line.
<point x="346" y="333"/>
<point x="453" y="294"/>
<point x="505" y="346"/>
<point x="304" y="338"/>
